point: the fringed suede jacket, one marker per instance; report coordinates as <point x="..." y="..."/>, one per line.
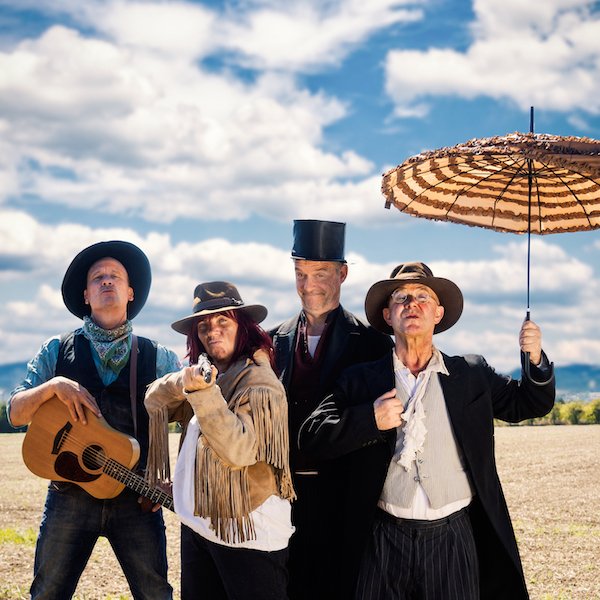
<point x="242" y="453"/>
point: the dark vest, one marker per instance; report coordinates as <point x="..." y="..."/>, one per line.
<point x="75" y="361"/>
<point x="305" y="390"/>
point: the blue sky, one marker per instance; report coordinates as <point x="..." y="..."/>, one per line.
<point x="200" y="130"/>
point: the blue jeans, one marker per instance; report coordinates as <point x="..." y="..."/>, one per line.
<point x="217" y="572"/>
<point x="71" y="524"/>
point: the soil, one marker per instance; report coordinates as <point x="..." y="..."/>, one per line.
<point x="550" y="477"/>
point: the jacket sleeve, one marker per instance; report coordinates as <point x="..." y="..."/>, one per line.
<point x="515" y="401"/>
<point x="345" y="420"/>
<point x="167" y="393"/>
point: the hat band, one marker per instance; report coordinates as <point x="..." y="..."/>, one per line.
<point x="216" y="303"/>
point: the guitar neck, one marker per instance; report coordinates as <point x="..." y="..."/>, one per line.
<point x="138" y="484"/>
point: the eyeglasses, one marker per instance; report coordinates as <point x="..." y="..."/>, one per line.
<point x="400" y="297"/>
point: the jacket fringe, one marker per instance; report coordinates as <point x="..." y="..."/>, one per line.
<point x="271" y="425"/>
<point x="222" y="491"/>
<point x="229" y="512"/>
<point x="158" y="466"/>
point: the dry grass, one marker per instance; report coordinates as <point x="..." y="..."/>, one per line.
<point x="550" y="477"/>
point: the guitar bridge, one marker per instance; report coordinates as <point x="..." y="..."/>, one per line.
<point x="60" y="437"/>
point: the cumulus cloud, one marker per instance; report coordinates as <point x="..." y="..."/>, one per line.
<point x="292" y="36"/>
<point x="131" y="130"/>
<point x="31" y="307"/>
<point x="542" y="54"/>
<point x="309" y="35"/>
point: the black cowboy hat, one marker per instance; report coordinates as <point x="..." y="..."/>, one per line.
<point x="448" y="294"/>
<point x="131" y="257"/>
<point x="214" y="297"/>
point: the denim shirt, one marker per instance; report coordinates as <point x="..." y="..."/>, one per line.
<point x="43" y="366"/>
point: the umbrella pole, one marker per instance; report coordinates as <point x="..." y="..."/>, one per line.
<point x="529" y="188"/>
<point x="525" y="362"/>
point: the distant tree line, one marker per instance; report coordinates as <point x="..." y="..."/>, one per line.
<point x="574" y="412"/>
<point x="563" y="413"/>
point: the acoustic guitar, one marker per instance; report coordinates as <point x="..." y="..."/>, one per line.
<point x="95" y="456"/>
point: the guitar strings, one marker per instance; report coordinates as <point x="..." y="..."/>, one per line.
<point x="106" y="462"/>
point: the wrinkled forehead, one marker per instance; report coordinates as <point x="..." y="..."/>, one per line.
<point x="313" y="266"/>
<point x="414" y="288"/>
<point x="112" y="264"/>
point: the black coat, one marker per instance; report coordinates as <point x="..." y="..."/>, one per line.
<point x="350" y="342"/>
<point x="344" y="428"/>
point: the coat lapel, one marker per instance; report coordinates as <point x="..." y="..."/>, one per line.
<point x="344" y="336"/>
<point x="283" y="340"/>
<point x="455" y="395"/>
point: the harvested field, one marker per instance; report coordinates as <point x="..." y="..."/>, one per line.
<point x="550" y="476"/>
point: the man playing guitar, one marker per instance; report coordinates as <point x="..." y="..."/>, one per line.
<point x="103" y="368"/>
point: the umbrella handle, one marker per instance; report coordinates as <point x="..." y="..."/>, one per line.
<point x="525" y="360"/>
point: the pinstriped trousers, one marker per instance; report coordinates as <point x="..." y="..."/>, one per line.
<point x="420" y="560"/>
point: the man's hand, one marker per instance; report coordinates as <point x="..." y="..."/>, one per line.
<point x="388" y="411"/>
<point x="146" y="504"/>
<point x="74" y="396"/>
<point x="530" y="340"/>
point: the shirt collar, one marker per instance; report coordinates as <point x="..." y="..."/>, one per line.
<point x="436" y="363"/>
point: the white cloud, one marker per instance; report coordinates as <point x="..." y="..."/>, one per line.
<point x="292" y="36"/>
<point x="565" y="294"/>
<point x="545" y="55"/>
<point x="130" y="130"/>
<point x="308" y="35"/>
<point x="177" y="28"/>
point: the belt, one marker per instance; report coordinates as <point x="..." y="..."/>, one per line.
<point x="419" y="523"/>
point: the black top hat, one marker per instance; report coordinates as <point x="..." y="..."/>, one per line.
<point x="131" y="257"/>
<point x="214" y="297"/>
<point x="319" y="240"/>
<point x="448" y="293"/>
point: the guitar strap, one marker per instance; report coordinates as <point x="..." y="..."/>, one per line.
<point x="133" y="381"/>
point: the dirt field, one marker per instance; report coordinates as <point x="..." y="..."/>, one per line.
<point x="551" y="478"/>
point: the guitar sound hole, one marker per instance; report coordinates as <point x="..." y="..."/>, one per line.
<point x="93" y="457"/>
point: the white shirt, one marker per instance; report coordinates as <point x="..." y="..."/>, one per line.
<point x="272" y="519"/>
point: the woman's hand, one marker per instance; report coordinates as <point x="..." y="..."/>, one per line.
<point x="193" y="378"/>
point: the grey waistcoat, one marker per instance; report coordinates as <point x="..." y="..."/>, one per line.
<point x="439" y="468"/>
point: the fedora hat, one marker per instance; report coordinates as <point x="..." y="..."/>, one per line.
<point x="448" y="293"/>
<point x="131" y="257"/>
<point x="319" y="240"/>
<point x="215" y="297"/>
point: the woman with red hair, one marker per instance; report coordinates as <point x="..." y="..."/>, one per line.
<point x="232" y="485"/>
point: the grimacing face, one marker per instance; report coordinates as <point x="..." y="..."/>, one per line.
<point x="218" y="335"/>
<point x="318" y="284"/>
<point x="413" y="318"/>
<point x="107" y="286"/>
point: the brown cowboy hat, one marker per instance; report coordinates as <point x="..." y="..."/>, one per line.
<point x="448" y="293"/>
<point x="131" y="257"/>
<point x="214" y="297"/>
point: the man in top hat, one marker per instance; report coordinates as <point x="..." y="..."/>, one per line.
<point x="423" y="504"/>
<point x="103" y="367"/>
<point x="311" y="350"/>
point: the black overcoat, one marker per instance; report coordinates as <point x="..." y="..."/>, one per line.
<point x="343" y="428"/>
<point x="350" y="342"/>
